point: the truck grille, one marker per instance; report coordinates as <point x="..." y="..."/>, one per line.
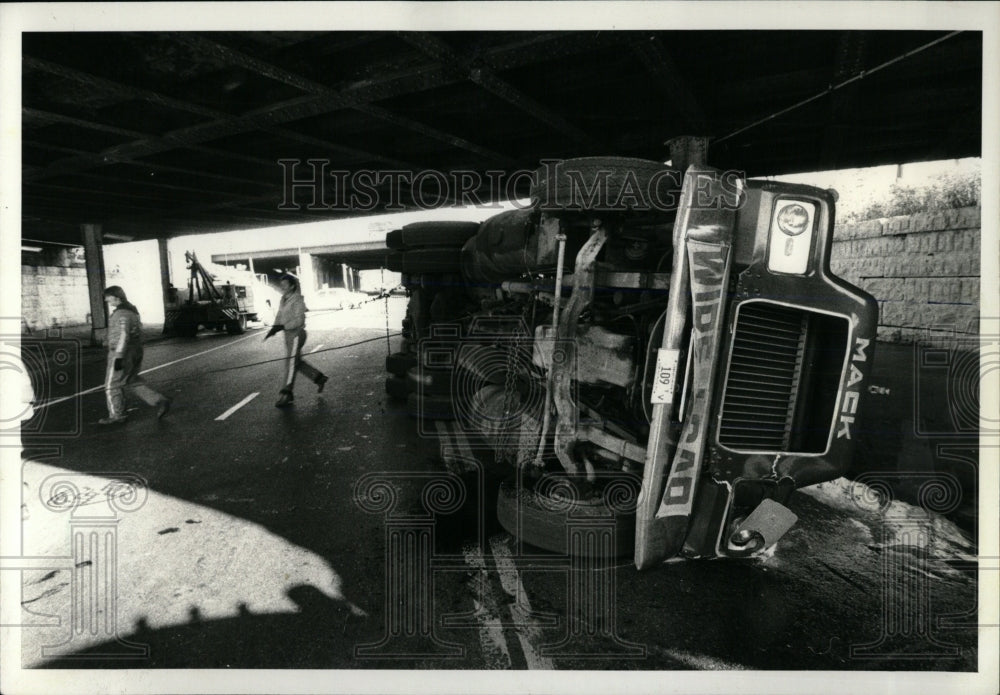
<point x="765" y="383"/>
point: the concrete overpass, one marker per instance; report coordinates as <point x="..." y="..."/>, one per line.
<point x="330" y="265"/>
<point x="119" y="143"/>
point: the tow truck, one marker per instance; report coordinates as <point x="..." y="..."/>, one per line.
<point x="202" y="303"/>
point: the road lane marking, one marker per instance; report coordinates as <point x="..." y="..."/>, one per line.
<point x="145" y="371"/>
<point x="491" y="637"/>
<point x="702" y="662"/>
<point x="316" y="348"/>
<point x="238" y="405"/>
<point x="528" y="629"/>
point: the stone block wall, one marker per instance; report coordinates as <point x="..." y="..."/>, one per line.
<point x="923" y="269"/>
<point x="54" y="289"/>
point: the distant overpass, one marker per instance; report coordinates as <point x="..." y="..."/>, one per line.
<point x="330" y="265"/>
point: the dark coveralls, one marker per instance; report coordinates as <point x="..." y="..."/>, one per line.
<point x="292" y="315"/>
<point x="125" y="342"/>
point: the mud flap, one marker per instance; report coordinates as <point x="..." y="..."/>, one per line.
<point x="766" y="524"/>
<point x="702" y="252"/>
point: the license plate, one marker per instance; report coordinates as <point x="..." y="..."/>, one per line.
<point x="666" y="376"/>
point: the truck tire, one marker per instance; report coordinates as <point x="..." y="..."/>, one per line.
<point x="397" y="388"/>
<point x="632" y="185"/>
<point x="423" y="234"/>
<point x="432" y="260"/>
<point x="187" y="330"/>
<point x="394" y="261"/>
<point x="237" y="327"/>
<point x="399" y="362"/>
<point x="428" y="381"/>
<point x="544" y="524"/>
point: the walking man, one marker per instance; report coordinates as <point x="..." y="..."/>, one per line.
<point x="291" y="318"/>
<point x="125" y="360"/>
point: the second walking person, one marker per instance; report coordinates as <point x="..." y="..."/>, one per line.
<point x="291" y="318"/>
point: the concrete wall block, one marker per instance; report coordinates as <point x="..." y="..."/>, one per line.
<point x="961" y="218"/>
<point x="870" y="228"/>
<point x="54" y="296"/>
<point x="959" y="317"/>
<point x="920" y="222"/>
<point x="966" y="240"/>
<point x="970" y="218"/>
<point x="894" y="266"/>
<point x="897" y="225"/>
<point x="859" y="230"/>
<point x="872" y="267"/>
<point x="948" y="265"/>
<point x="924" y="270"/>
<point x="871" y="247"/>
<point x="915" y="289"/>
<point x="942" y="290"/>
<point x="841" y="267"/>
<point x="918" y="243"/>
<point x="892" y="313"/>
<point x="844" y="231"/>
<point x="886" y="289"/>
<point x="971" y="289"/>
<point x="854" y="269"/>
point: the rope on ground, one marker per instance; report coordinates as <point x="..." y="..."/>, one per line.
<point x="201" y="374"/>
<point x="388" y="345"/>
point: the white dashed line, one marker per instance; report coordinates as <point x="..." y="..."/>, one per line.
<point x="491" y="637"/>
<point x="701" y="662"/>
<point x="238" y="405"/>
<point x="529" y="632"/>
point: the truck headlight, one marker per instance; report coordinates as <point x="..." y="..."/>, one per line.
<point x="791" y="236"/>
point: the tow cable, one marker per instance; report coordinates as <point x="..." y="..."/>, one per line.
<point x="199" y="375"/>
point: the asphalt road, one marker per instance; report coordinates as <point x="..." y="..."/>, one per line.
<point x="302" y="538"/>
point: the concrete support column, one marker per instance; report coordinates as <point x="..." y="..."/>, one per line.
<point x="687" y="150"/>
<point x="94" y="254"/>
<point x="307" y="274"/>
<point x="346" y="275"/>
<point x="161" y="245"/>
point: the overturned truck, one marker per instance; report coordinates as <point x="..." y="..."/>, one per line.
<point x="666" y="353"/>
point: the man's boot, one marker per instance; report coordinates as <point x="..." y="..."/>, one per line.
<point x="285" y="399"/>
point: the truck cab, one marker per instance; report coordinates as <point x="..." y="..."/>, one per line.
<point x="665" y="350"/>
